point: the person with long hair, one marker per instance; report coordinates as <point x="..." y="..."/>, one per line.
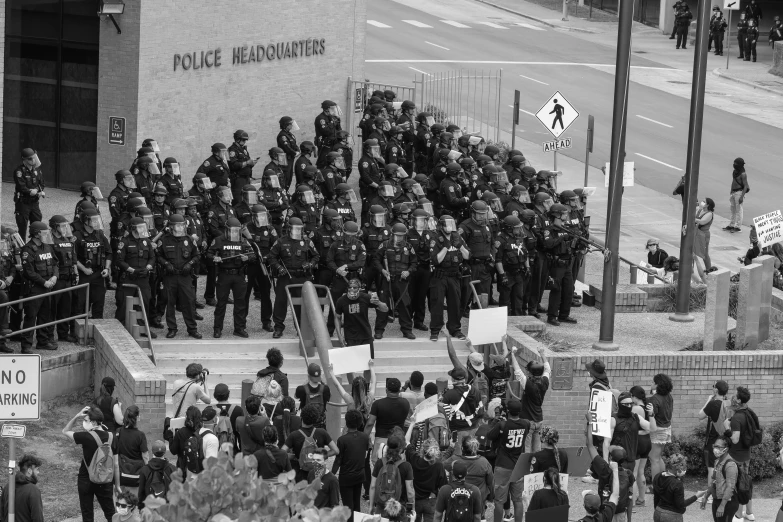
<point x="701" y="243"/>
<point x="669" y="491"/>
<point x="663" y="409"/>
<point x="351" y="462"/>
<point x="110" y="406"/>
<point x="285" y="420"/>
<point x="192" y="426"/>
<point x="551" y="495"/>
<point x="643" y="443"/>
<point x="130" y="448"/>
<point x="429" y="475"/>
<point x="480" y="472"/>
<point x="362" y="394"/>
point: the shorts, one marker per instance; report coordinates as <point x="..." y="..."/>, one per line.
<point x="643" y="446"/>
<point x="503" y="485"/>
<point x="661" y="436"/>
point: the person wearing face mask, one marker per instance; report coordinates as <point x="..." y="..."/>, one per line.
<point x="216" y="167"/>
<point x="723" y="489"/>
<point x="90" y="418"/>
<point x="171" y="180"/>
<point x="701" y="242"/>
<point x="328" y="495"/>
<point x="353" y="309"/>
<point x="177" y="256"/>
<point x="655" y="254"/>
<point x="29" y="189"/>
<point x="27" y="497"/>
<point x="669" y="491"/>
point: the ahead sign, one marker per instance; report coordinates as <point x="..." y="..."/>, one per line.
<point x="20" y="387"/>
<point x="557" y="114"/>
<point x="550" y="146"/>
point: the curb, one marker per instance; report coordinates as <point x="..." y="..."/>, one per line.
<point x="506" y="9"/>
<point x="716" y="72"/>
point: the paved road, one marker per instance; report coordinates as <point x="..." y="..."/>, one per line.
<point x="406" y="38"/>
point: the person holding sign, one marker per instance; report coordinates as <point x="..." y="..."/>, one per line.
<point x="551" y="495"/>
<point x="598" y="511"/>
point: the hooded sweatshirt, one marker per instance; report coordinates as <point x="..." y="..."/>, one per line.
<point x="280" y="377"/>
<point x="146" y="475"/>
<point x="29" y="507"/>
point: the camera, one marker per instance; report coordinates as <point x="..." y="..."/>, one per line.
<point x="202" y="377"/>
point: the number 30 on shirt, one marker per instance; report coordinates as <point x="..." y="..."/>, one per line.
<point x="516" y="438"/>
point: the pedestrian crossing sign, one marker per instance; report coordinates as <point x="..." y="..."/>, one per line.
<point x="557" y="114"/>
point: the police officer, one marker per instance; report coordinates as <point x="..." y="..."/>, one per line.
<point x="219" y="213"/>
<point x="29" y="189"/>
<point x="406" y="122"/>
<point x="542" y="202"/>
<point x="143" y="152"/>
<point x="742" y="30"/>
<point x="443" y="142"/>
<point x="172" y="179"/>
<point x="90" y="193"/>
<point x="13" y="261"/>
<point x="402" y="213"/>
<point x="453" y="202"/>
<point x="178" y="257"/>
<point x="397" y="261"/>
<point x="262" y="236"/>
<point x="327" y="125"/>
<point x="493" y="152"/>
<point x="715" y="11"/>
<point x="40" y="271"/>
<point x="520" y="199"/>
<point x="243" y="207"/>
<point x="532" y="232"/>
<point x="292" y="260"/>
<point x="345" y="260"/>
<point x="512" y="265"/>
<point x="304" y="207"/>
<point x="68" y="276"/>
<point x="495" y="212"/>
<point x="557" y="245"/>
<point x="751" y="37"/>
<point x="369" y="172"/>
<point x="201" y="193"/>
<point x="240" y="163"/>
<point x="135" y="260"/>
<point x="93" y="261"/>
<point x="118" y="197"/>
<point x="477" y="237"/>
<point x="753" y="12"/>
<point x="344" y="148"/>
<point x="8" y="274"/>
<point x="446" y="256"/>
<point x="313" y="178"/>
<point x="376" y="231"/>
<point x="515" y="174"/>
<point x="422" y="143"/>
<point x="411" y="190"/>
<point x="328" y="233"/>
<point x="676" y="8"/>
<point x="333" y="174"/>
<point x="343" y="202"/>
<point x="146" y="174"/>
<point x="381" y="127"/>
<point x="385" y="199"/>
<point x="216" y="166"/>
<point x="776" y="31"/>
<point x="274" y="198"/>
<point x="395" y="151"/>
<point x="198" y="233"/>
<point x="421" y="239"/>
<point x="281" y="165"/>
<point x="231" y="252"/>
<point x="717" y="30"/>
<point x="577" y="226"/>
<point x="161" y="211"/>
<point x="286" y="142"/>
<point x="306" y="153"/>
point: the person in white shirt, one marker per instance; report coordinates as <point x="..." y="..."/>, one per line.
<point x="210" y="440"/>
<point x="188" y="392"/>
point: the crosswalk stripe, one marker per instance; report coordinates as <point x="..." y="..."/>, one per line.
<point x="378" y="24"/>
<point x="493" y="25"/>
<point x="456" y="24"/>
<point x="528" y="26"/>
<point x="416" y="23"/>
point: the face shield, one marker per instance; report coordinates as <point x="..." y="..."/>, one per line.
<point x="575" y="203"/>
<point x="17" y="240"/>
<point x="518" y="232"/>
<point x="149" y="221"/>
<point x="261" y="219"/>
<point x="225" y="195"/>
<point x="386" y="126"/>
<point x="457" y="134"/>
<point x="45" y="237"/>
<point x="95" y="222"/>
<point x="499" y="178"/>
<point x="296" y="232"/>
<point x="421" y="223"/>
<point x="154" y="145"/>
<point x="547" y="204"/>
<point x="33" y="162"/>
<point x="142" y="230"/>
<point x="282" y="160"/>
<point x="335" y="110"/>
<point x="223" y="155"/>
<point x="375" y="152"/>
<point x="173" y="168"/>
<point x="63" y="230"/>
<point x="427" y="206"/>
<point x="350" y="195"/>
<point x="272" y="181"/>
<point x="386" y="191"/>
<point x="398" y="239"/>
<point x="495" y="205"/>
<point x="336" y="223"/>
<point x="524" y="197"/>
<point x="307" y="197"/>
<point x="481" y="217"/>
<point x="294" y="126"/>
<point x="447" y="225"/>
<point x="401" y="174"/>
<point x="96" y="193"/>
<point x="339" y="163"/>
<point x="153" y="169"/>
<point x="5" y="251"/>
<point x="417" y="190"/>
<point x="378" y="220"/>
<point x="233" y="233"/>
<point x="129" y="182"/>
<point x="178" y="229"/>
<point x="454" y="155"/>
<point x="250" y="197"/>
<point x="430" y="121"/>
<point x="206" y="184"/>
<point x="432" y="224"/>
<point x="182" y="211"/>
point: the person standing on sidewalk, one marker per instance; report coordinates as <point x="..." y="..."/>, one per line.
<point x="739" y="187"/>
<point x="742" y="425"/>
<point x="682" y="20"/>
<point x="742" y="29"/>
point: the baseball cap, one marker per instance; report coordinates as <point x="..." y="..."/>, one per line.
<point x="459" y="470"/>
<point x="208" y="414"/>
<point x="314" y="370"/>
<point x="476" y="360"/>
<point x="158" y="448"/>
<point x="514" y="407"/>
<point x="458" y="374"/>
<point x="592" y="501"/>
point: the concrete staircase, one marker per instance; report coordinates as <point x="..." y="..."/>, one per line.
<point x="230" y="361"/>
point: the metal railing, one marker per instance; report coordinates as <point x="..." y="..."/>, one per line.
<point x="651" y="274"/>
<point x="47" y="295"/>
<point x="297" y="301"/>
<point x="131" y="318"/>
<point x="359" y="94"/>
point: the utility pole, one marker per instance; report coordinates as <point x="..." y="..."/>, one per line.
<point x="515" y="120"/>
<point x="616" y="166"/>
<point x="692" y="169"/>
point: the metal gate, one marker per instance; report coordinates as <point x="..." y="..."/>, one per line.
<point x="469" y="98"/>
<point x="359" y="94"/>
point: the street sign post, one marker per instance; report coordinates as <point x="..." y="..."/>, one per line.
<point x="589" y="144"/>
<point x="14" y="431"/>
<point x="560" y="113"/>
<point x="515" y="120"/>
<point x="729" y="5"/>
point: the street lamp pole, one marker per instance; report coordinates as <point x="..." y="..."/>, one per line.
<point x="616" y="165"/>
<point x="692" y="168"/>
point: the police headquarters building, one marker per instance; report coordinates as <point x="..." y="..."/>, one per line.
<point x="85" y="89"/>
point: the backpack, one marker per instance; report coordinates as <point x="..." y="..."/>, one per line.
<point x="486" y="447"/>
<point x="459" y="507"/>
<point x="305" y="454"/>
<point x="194" y="452"/>
<point x="744" y="486"/>
<point x="718" y="425"/>
<point x="626" y="480"/>
<point x="129" y="468"/>
<point x="101" y="467"/>
<point x="481" y="383"/>
<point x="436" y="428"/>
<point x="317" y="398"/>
<point x="754" y="434"/>
<point x="223" y="429"/>
<point x="158" y="485"/>
<point x="261" y="385"/>
<point x="389" y="483"/>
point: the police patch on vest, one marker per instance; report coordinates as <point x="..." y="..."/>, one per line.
<point x="497" y="244"/>
<point x="206" y="163"/>
<point x="365" y="164"/>
<point x="186" y="242"/>
<point x="232" y="154"/>
<point x="120" y="244"/>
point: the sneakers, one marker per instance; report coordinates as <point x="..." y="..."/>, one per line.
<point x="748" y="517"/>
<point x="568" y="320"/>
<point x="434" y="337"/>
<point x="379" y="335"/>
<point x="171" y="334"/>
<point x="729" y="228"/>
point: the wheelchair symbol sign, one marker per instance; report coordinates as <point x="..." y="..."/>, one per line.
<point x="116" y="130"/>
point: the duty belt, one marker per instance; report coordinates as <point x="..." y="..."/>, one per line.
<point x="297" y="271"/>
<point x="27" y="199"/>
<point x="478" y="261"/>
<point x="232" y="271"/>
<point x="448" y="273"/>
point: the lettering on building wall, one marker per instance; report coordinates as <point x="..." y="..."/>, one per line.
<point x="245" y="54"/>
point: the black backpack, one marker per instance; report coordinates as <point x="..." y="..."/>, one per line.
<point x="754" y="434"/>
<point x="459" y="507"/>
<point x="158" y="485"/>
<point x="194" y="452"/>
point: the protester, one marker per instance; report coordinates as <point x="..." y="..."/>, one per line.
<point x="90" y="439"/>
<point x="352" y="461"/>
<point x="27" y="496"/>
<point x="742" y="426"/>
<point x="479" y="470"/>
<point x="189" y="391"/>
<point x="510" y="436"/>
<point x="464" y="407"/>
<point x="272" y="397"/>
<point x="429" y="476"/>
<point x="126" y="508"/>
<point x="608" y="471"/>
<point x="210" y="445"/>
<point x="155" y="476"/>
<point x="663" y="409"/>
<point x="130" y="447"/>
<point x="226" y="409"/>
<point x="308" y="438"/>
<point x="535" y="389"/>
<point x="178" y="444"/>
<point x="701" y="241"/>
<point x="458" y="492"/>
<point x="625" y="426"/>
<point x="394" y="511"/>
<point x="723" y="491"/>
<point x="250" y="426"/>
<point x="328" y="495"/>
<point x="413" y="393"/>
<point x="739" y="188"/>
<point x="597" y="370"/>
<point x="669" y="493"/>
<point x="314" y="392"/>
<point x="275" y="359"/>
<point x="655" y="254"/>
<point x="284" y="420"/>
<point x="391" y="474"/>
<point x="643" y="443"/>
<point x="272" y="461"/>
<point x="110" y="406"/>
<point x="550" y="456"/>
<point x="598" y="511"/>
<point x="716" y="410"/>
<point x="386" y="413"/>
<point x="362" y="396"/>
<point x="551" y="495"/>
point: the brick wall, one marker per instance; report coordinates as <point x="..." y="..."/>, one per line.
<point x="693" y="373"/>
<point x="137" y="380"/>
<point x="189" y="110"/>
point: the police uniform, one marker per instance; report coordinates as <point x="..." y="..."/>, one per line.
<point x="195" y="226"/>
<point x="751" y="37"/>
<point x="373" y="237"/>
<point x="145" y="184"/>
<point x="203" y="201"/>
<point x="541" y="268"/>
<point x="408" y="140"/>
<point x="216" y="171"/>
<point x="421" y="146"/>
<point x="263" y="238"/>
<point x="216" y="223"/>
<point x="293" y="261"/>
<point x="243" y="212"/>
<point x="8" y="275"/>
<point x="239" y="172"/>
<point x="579" y="228"/>
<point x="160" y="214"/>
<point x="445" y="284"/>
<point x="138" y="254"/>
<point x="287" y="142"/>
<point x="77" y="210"/>
<point x="177" y="258"/>
<point x="345" y="209"/>
<point x="348" y="251"/>
<point x="394" y="292"/>
<point x="742" y="30"/>
<point x="308" y="214"/>
<point x="558" y="249"/>
<point x="478" y="240"/>
<point x="276" y="202"/>
<point x="332" y="177"/>
<point x="39" y="264"/>
<point x="173" y="185"/>
<point x="717" y="30"/>
<point x="419" y="286"/>
<point x="284" y="175"/>
<point x="14" y="260"/>
<point x="383" y="143"/>
<point x="26" y="207"/>
<point x="301" y="163"/>
<point x="347" y="153"/>
<point x="323" y="238"/>
<point x="386" y="203"/>
<point x="68" y="276"/>
<point x="92" y="251"/>
<point x="512" y="254"/>
<point x="369" y="174"/>
<point x="118" y="198"/>
<point x="231" y="278"/>
<point x="451" y="199"/>
<point x="326" y="129"/>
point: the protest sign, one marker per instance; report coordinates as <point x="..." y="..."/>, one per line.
<point x="601" y="412"/>
<point x="768" y="228"/>
<point x="426" y="410"/>
<point x="350" y="359"/>
<point x="534" y="481"/>
<point x="488" y="325"/>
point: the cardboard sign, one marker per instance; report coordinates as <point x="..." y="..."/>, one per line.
<point x="488" y="325"/>
<point x="350" y="359"/>
<point x="628" y="169"/>
<point x="578" y="463"/>
<point x="768" y="228"/>
<point x="366" y="517"/>
<point x="425" y="410"/>
<point x="534" y="481"/>
<point x="601" y="413"/>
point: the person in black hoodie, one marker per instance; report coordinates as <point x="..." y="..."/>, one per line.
<point x="155" y="476"/>
<point x="29" y="507"/>
<point x="275" y="359"/>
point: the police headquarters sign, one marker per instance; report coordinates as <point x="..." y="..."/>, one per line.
<point x="251" y="54"/>
<point x="20" y="387"/>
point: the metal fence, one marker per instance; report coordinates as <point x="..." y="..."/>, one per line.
<point x="469" y="98"/>
<point x="359" y="94"/>
<point x="85" y="315"/>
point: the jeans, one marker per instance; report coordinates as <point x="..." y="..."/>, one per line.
<point x="533" y="442"/>
<point x="662" y="515"/>
<point x="728" y="513"/>
<point x="351" y="495"/>
<point x="425" y="509"/>
<point x="736" y="208"/>
<point x="103" y="492"/>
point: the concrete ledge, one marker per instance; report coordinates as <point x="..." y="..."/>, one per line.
<point x="777" y="60"/>
<point x="66" y="374"/>
<point x="630" y="299"/>
<point x="137" y="380"/>
<point x="526" y="323"/>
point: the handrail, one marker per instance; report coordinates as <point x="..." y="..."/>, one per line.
<point x="146" y="321"/>
<point x="302" y="348"/>
<point x="651" y="275"/>
<point x="85" y="315"/>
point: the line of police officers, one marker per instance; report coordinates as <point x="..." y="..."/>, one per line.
<point x="438" y="210"/>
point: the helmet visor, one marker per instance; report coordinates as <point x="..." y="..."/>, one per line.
<point x="335" y="110"/>
<point x="447" y="224"/>
<point x="339" y="163"/>
<point x="500" y="178"/>
<point x="149" y="221"/>
<point x="427" y="206"/>
<point x="524" y="197"/>
<point x="481" y="217"/>
<point x="495" y="205"/>
<point x="386" y="126"/>
<point x="261" y="219"/>
<point x="250" y="197"/>
<point x="142" y="230"/>
<point x="178" y="230"/>
<point x="174" y="168"/>
<point x="308" y="197"/>
<point x="95" y="222"/>
<point x="398" y="239"/>
<point x="378" y="220"/>
<point x="63" y="230"/>
<point x="35" y="162"/>
<point x="296" y="232"/>
<point x="336" y="223"/>
<point x="273" y="181"/>
<point x="155" y="146"/>
<point x="233" y="233"/>
<point x="45" y="237"/>
<point x="457" y="134"/>
<point x="129" y="182"/>
<point x="421" y="223"/>
<point x="4" y="249"/>
<point x="17" y="240"/>
<point x="401" y="173"/>
<point x="375" y="151"/>
<point x="153" y="169"/>
<point x="386" y="191"/>
<point x="294" y="126"/>
<point x="282" y="160"/>
<point x="547" y="204"/>
<point x="432" y="224"/>
<point x="417" y="190"/>
<point x="351" y="195"/>
<point x="454" y="155"/>
<point x="430" y="121"/>
<point x="575" y="203"/>
<point x="518" y="232"/>
<point x="206" y="183"/>
<point x="223" y="155"/>
<point x="96" y="193"/>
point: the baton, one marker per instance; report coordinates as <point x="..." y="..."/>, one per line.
<point x="391" y="294"/>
